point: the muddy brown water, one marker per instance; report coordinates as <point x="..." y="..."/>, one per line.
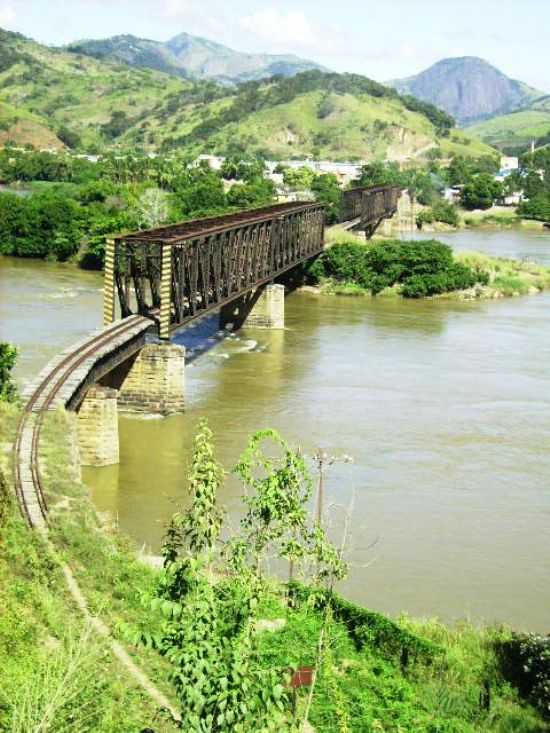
<point x="444" y="407"/>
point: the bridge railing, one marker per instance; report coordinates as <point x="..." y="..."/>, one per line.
<point x="182" y="271"/>
<point x="369" y="205"/>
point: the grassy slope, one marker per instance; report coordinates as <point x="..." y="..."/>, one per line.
<point x="516" y="128"/>
<point x="67" y="89"/>
<point x="47" y="88"/>
<point x="47" y="652"/>
<point x="361" y="127"/>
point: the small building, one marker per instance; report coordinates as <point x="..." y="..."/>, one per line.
<point x="509" y="163"/>
<point x="213" y="161"/>
<point x="452" y="194"/>
<point x="513" y="199"/>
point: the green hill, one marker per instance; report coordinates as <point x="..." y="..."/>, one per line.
<point x="515" y="132"/>
<point x="56" y="90"/>
<point x="324" y="115"/>
<point x="50" y="97"/>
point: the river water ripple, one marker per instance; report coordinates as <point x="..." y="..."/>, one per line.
<point x="444" y="407"/>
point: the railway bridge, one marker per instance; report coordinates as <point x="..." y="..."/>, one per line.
<point x="156" y="282"/>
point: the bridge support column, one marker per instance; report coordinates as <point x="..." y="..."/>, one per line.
<point x="262" y="308"/>
<point x="109" y="284"/>
<point x="97" y="427"/>
<point x="165" y="292"/>
<point x="155" y="382"/>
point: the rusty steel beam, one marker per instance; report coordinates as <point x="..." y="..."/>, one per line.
<point x="183" y="271"/>
<point x="369" y="206"/>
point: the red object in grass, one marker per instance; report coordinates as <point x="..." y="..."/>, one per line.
<point x="303" y="677"/>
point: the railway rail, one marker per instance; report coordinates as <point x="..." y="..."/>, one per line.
<point x="55" y="385"/>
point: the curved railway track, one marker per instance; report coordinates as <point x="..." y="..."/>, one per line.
<point x="56" y="385"/>
<point x="63" y="372"/>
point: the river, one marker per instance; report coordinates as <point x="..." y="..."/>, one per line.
<point x="443" y="406"/>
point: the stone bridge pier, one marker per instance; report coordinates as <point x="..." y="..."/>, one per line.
<point x="152" y="380"/>
<point x="260" y="308"/>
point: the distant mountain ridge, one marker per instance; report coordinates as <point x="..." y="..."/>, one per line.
<point x="192" y="57"/>
<point x="51" y="98"/>
<point x="468" y="88"/>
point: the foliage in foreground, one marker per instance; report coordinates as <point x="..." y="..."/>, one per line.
<point x="8" y="357"/>
<point x="525" y="660"/>
<point x="210" y="593"/>
<point x="449" y="682"/>
<point x="420" y="268"/>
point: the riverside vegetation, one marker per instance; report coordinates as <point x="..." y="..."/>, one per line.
<point x="217" y="633"/>
<point x="418" y="269"/>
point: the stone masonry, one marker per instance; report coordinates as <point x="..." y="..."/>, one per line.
<point x="155" y="383"/>
<point x="264" y="309"/>
<point x="97" y="427"/>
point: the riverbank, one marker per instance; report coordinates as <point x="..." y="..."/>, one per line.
<point x="492" y="277"/>
<point x="378" y="674"/>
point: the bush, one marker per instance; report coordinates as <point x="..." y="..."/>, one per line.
<point x="422" y="268"/>
<point x="481" y="192"/>
<point x="525" y="661"/>
<point x="537" y="207"/>
<point x="442" y="211"/>
<point x="8" y="357"/>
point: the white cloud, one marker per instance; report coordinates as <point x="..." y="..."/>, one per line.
<point x="280" y="30"/>
<point x="7" y="15"/>
<point x="189" y="16"/>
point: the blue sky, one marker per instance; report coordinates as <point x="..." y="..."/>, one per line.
<point x="382" y="39"/>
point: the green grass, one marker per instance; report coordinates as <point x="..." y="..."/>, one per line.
<point x="52" y="666"/>
<point x="516" y="129"/>
<point x="508" y="276"/>
<point x="367" y="688"/>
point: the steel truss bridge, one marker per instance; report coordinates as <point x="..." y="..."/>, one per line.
<point x="180" y="272"/>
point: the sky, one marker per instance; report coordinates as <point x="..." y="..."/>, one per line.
<point x="382" y="39"/>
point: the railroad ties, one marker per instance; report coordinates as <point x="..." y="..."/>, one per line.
<point x="57" y="384"/>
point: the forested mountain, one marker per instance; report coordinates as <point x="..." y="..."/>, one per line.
<point x="335" y="116"/>
<point x="468" y="88"/>
<point x="50" y="97"/>
<point x="193" y="57"/>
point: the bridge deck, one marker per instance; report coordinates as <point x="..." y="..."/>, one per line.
<point x="64" y="381"/>
<point x="186" y="270"/>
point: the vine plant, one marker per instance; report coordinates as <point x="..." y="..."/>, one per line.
<point x="210" y="592"/>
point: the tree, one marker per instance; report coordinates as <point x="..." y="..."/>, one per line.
<point x="8" y="357"/>
<point x="208" y="627"/>
<point x="257" y="192"/>
<point x="481" y="192"/>
<point x="298" y="178"/>
<point x="328" y="192"/>
<point x="153" y="208"/>
<point x="459" y="171"/>
<point x="69" y="137"/>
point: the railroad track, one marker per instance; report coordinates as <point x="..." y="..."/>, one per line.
<point x="55" y="385"/>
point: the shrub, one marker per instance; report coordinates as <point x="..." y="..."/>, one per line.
<point x="525" y="661"/>
<point x="8" y="357"/>
<point x="481" y="192"/>
<point x="422" y="268"/>
<point x="442" y="211"/>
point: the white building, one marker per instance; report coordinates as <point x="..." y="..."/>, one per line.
<point x="509" y="163"/>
